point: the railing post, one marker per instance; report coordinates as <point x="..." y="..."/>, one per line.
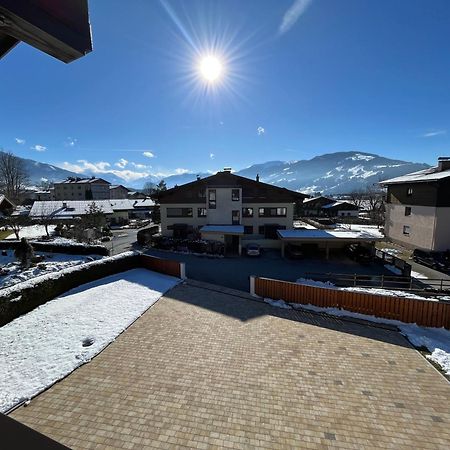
<point x="354" y="279"/>
<point x="182" y="270"/>
<point x="382" y="280"/>
<point x="252" y="286"/>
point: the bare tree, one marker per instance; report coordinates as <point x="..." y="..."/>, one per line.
<point x="15" y="223"/>
<point x="44" y="215"/>
<point x="375" y="200"/>
<point x="13" y="175"/>
<point x="357" y="198"/>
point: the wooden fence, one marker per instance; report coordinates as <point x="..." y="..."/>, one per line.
<point x="423" y="312"/>
<point x="167" y="266"/>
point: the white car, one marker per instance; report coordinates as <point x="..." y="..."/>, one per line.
<point x="253" y="250"/>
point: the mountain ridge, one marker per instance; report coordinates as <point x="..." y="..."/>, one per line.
<point x="330" y="173"/>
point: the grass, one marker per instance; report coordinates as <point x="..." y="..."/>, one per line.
<point x="4" y="234"/>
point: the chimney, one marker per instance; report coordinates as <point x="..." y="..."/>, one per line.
<point x="64" y="205"/>
<point x="227" y="169"/>
<point x="257" y="177"/>
<point x="443" y="163"/>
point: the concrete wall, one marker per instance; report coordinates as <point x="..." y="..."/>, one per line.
<point x="194" y="221"/>
<point x="224" y="206"/>
<point x="442" y="230"/>
<point x="256" y="221"/>
<point x="421" y="223"/>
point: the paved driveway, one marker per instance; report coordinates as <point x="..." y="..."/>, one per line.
<point x="205" y="369"/>
<point x="235" y="272"/>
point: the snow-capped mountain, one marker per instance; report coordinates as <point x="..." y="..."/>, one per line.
<point x="332" y="173"/>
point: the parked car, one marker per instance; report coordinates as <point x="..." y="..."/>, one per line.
<point x="294" y="251"/>
<point x="359" y="253"/>
<point x="253" y="250"/>
<point x="436" y="260"/>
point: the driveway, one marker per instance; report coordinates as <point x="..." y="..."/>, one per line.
<point x="205" y="369"/>
<point x="235" y="272"/>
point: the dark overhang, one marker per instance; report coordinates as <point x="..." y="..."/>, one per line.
<point x="58" y="28"/>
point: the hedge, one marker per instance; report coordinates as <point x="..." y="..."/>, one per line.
<point x="73" y="249"/>
<point x="24" y="297"/>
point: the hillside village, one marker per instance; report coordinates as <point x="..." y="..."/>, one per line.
<point x="283" y="305"/>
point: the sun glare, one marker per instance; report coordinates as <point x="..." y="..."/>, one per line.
<point x="211" y="68"/>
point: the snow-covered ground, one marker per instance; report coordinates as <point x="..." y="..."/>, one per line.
<point x="372" y="229"/>
<point x="435" y="340"/>
<point x="376" y="291"/>
<point x="43" y="346"/>
<point x="11" y="273"/>
<point x="33" y="232"/>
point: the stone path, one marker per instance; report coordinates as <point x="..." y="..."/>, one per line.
<point x="205" y="369"/>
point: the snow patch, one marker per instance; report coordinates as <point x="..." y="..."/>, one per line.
<point x="43" y="346"/>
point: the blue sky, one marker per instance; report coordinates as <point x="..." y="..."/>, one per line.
<point x="300" y="78"/>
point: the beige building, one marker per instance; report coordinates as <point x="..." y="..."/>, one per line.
<point x="117" y="191"/>
<point x="418" y="208"/>
<point x="230" y="209"/>
<point x="82" y="189"/>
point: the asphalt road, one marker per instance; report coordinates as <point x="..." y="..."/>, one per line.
<point x="235" y="272"/>
<point x="122" y="241"/>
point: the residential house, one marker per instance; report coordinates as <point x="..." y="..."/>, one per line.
<point x="228" y="208"/>
<point x="116" y="211"/>
<point x="75" y="188"/>
<point x="418" y="208"/>
<point x="142" y="208"/>
<point x="118" y="191"/>
<point x="324" y="206"/>
<point x="6" y="206"/>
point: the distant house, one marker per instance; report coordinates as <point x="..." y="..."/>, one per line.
<point x="6" y="206"/>
<point x="323" y="206"/>
<point x="116" y="211"/>
<point x="75" y="188"/>
<point x="228" y="208"/>
<point x="418" y="208"/>
<point x="142" y="208"/>
<point x="117" y="191"/>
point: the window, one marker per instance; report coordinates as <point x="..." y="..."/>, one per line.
<point x="235" y="195"/>
<point x="247" y="212"/>
<point x="201" y="212"/>
<point x="212" y="199"/>
<point x="272" y="212"/>
<point x="248" y="229"/>
<point x="235" y="217"/>
<point x="261" y="229"/>
<point x="406" y="230"/>
<point x="179" y="212"/>
<point x="409" y="191"/>
<point x="407" y="210"/>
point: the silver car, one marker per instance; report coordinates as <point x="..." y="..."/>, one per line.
<point x="253" y="250"/>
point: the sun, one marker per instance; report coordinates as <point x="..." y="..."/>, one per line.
<point x="211" y="68"/>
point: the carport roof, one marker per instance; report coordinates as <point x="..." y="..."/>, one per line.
<point x="319" y="235"/>
<point x="224" y="229"/>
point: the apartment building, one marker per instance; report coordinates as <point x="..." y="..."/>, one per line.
<point x="228" y="208"/>
<point x="82" y="189"/>
<point x="118" y="191"/>
<point x="418" y="208"/>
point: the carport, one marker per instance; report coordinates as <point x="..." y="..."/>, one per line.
<point x="230" y="235"/>
<point x="325" y="239"/>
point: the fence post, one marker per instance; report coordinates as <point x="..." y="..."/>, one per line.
<point x="354" y="279"/>
<point x="182" y="270"/>
<point x="252" y="286"/>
